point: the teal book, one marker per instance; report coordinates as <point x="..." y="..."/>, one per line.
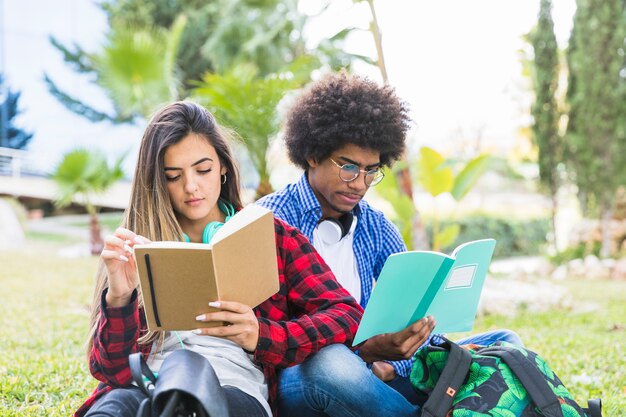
<point x="417" y="284"/>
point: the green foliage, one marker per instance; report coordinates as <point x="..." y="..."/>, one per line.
<point x="160" y="15"/>
<point x="435" y="174"/>
<point x="265" y="33"/>
<point x="85" y="173"/>
<point x="217" y="36"/>
<point x="596" y="131"/>
<point x="403" y="207"/>
<point x="11" y="136"/>
<point x="465" y="180"/>
<point x="513" y="237"/>
<point x="248" y="103"/>
<point x="579" y="251"/>
<point x="136" y="68"/>
<point x="544" y="110"/>
<point x="432" y="174"/>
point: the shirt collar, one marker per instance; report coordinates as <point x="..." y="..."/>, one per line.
<point x="308" y="199"/>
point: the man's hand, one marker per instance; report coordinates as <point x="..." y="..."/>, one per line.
<point x="397" y="346"/>
<point x="384" y="371"/>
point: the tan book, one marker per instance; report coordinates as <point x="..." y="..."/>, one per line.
<point x="179" y="279"/>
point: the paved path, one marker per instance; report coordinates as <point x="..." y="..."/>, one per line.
<point x="45" y="189"/>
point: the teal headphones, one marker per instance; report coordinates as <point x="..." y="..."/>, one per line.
<point x="211" y="228"/>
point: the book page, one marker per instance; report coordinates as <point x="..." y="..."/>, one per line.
<point x="406" y="280"/>
<point x="242" y="218"/>
<point x="454" y="308"/>
<point x="171" y="245"/>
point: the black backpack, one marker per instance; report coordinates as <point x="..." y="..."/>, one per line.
<point x="186" y="386"/>
<point x="500" y="379"/>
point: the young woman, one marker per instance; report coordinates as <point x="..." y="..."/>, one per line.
<point x="186" y="185"/>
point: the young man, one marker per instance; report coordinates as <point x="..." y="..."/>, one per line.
<point x="342" y="131"/>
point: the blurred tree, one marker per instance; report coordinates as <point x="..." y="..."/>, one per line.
<point x="150" y="58"/>
<point x="83" y="173"/>
<point x="404" y="210"/>
<point x="248" y="104"/>
<point x="437" y="175"/>
<point x="596" y="131"/>
<point x="10" y="135"/>
<point x="201" y="19"/>
<point x="418" y="237"/>
<point x="218" y="35"/>
<point x="136" y="69"/>
<point x="545" y="112"/>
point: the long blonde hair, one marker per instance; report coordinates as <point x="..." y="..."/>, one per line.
<point x="150" y="212"/>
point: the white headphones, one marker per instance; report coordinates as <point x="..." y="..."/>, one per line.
<point x="333" y="230"/>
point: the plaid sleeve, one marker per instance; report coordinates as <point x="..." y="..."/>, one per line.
<point x="391" y="242"/>
<point x="403" y="368"/>
<point x="319" y="311"/>
<point x="115" y="339"/>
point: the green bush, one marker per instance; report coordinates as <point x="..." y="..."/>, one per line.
<point x="514" y="237"/>
<point x="576" y="252"/>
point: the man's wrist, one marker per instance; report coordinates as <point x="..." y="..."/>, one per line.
<point x="366" y="353"/>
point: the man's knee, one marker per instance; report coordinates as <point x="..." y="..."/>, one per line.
<point x="333" y="365"/>
<point x="510" y="336"/>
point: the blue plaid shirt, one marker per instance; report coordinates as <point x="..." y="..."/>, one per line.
<point x="375" y="237"/>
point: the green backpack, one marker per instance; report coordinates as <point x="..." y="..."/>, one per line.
<point x="500" y="380"/>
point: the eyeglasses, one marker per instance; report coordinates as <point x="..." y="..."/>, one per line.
<point x="350" y="172"/>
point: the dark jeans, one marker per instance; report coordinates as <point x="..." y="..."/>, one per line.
<point x="124" y="402"/>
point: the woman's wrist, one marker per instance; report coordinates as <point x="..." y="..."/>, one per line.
<point x="114" y="300"/>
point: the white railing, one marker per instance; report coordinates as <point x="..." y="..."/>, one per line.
<point x="12" y="161"/>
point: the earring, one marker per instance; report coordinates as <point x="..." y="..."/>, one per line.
<point x="224" y="179"/>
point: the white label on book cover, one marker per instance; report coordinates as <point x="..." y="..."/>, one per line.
<point x="461" y="277"/>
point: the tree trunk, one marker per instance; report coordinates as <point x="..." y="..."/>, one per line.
<point x="607" y="245"/>
<point x="554" y="209"/>
<point x="418" y="232"/>
<point x="264" y="188"/>
<point x="96" y="244"/>
<point x="378" y="41"/>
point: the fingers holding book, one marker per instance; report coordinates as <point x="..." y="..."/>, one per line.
<point x="397" y="346"/>
<point x="419" y="332"/>
<point x="118" y="260"/>
<point x="240" y="324"/>
<point x="119" y="245"/>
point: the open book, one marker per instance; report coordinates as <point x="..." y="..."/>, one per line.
<point x="179" y="279"/>
<point x="417" y="284"/>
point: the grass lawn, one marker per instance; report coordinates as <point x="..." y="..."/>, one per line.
<point x="44" y="313"/>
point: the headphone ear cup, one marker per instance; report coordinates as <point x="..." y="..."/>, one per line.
<point x="331" y="231"/>
<point x="346" y="221"/>
<point x="209" y="231"/>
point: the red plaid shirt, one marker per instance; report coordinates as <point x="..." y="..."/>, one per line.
<point x="309" y="311"/>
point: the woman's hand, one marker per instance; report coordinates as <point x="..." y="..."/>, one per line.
<point x="242" y="327"/>
<point x="118" y="259"/>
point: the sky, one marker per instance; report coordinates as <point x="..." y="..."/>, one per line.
<point x="455" y="62"/>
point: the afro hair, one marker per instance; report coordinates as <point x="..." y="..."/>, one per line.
<point x="339" y="109"/>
